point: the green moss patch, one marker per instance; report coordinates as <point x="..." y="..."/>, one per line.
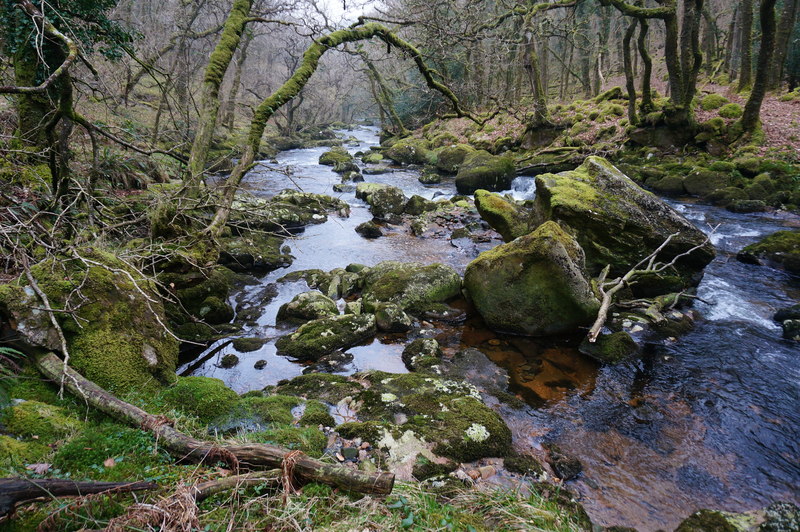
<point x="202" y="397"/>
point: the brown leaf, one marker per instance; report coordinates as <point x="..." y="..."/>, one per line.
<point x="109" y="462"/>
<point x="39" y="469"/>
<point x="223" y="472"/>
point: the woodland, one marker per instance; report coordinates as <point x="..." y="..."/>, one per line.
<point x="399" y="265"/>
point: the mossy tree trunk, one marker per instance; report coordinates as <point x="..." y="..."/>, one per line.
<point x="218" y="64"/>
<point x="535" y="79"/>
<point x="292" y="88"/>
<point x="647" y="70"/>
<point x="752" y="108"/>
<point x="782" y="37"/>
<point x="630" y="82"/>
<point x="746" y="40"/>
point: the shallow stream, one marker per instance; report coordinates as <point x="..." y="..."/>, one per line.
<point x="709" y="421"/>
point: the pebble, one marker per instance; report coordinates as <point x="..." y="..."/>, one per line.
<point x="364" y="445"/>
<point x="340" y="457"/>
<point x="487" y="471"/>
<point x="494" y="341"/>
<point x="362" y="455"/>
<point x="474" y="474"/>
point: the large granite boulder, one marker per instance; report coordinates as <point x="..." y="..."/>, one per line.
<point x="410" y="285"/>
<point x="618" y="223"/>
<point x="506" y="217"/>
<point x="482" y="170"/>
<point x="534" y="285"/>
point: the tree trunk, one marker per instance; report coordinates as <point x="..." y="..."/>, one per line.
<point x="752" y="108"/>
<point x="782" y="37"/>
<point x="187" y="448"/>
<point x="746" y="76"/>
<point x="229" y="116"/>
<point x="535" y="78"/>
<point x="630" y="82"/>
<point x="647" y="72"/>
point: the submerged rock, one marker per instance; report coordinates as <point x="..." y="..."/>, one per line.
<point x="482" y="170"/>
<point x="505" y="217"/>
<point x="780" y="249"/>
<point x="320" y="337"/>
<point x="610" y="348"/>
<point x="307" y="306"/>
<point x="616" y="222"/>
<point x="412" y="286"/>
<point x="534" y="285"/>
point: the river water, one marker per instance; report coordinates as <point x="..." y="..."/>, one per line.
<point x="709" y="421"/>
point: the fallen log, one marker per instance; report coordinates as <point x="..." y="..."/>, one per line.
<point x="18" y="490"/>
<point x="184" y="447"/>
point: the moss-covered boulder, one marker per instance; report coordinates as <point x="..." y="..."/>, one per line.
<point x="731" y="110"/>
<point x="610" y="348"/>
<point x="505" y="216"/>
<point x="423" y="354"/>
<point x="256" y="252"/>
<point x="116" y="335"/>
<point x="702" y="182"/>
<point x="334" y="156"/>
<point x="389" y="317"/>
<point x="373" y="157"/>
<point x="334" y="284"/>
<point x="616" y="222"/>
<point x="316" y="413"/>
<point x="534" y="285"/>
<point x="482" y="170"/>
<point x="410" y="285"/>
<point x="713" y="101"/>
<point x="418" y="205"/>
<point x="447" y="414"/>
<point x="450" y="158"/>
<point x="780" y="249"/>
<point x="322" y="386"/>
<point x="286" y="211"/>
<point x="306" y="307"/>
<point x="42" y="420"/>
<point x="365" y="190"/>
<point x="203" y="397"/>
<point x="321" y="337"/>
<point x="671" y="185"/>
<point x="16" y="454"/>
<point x="411" y="150"/>
<point x="387" y="201"/>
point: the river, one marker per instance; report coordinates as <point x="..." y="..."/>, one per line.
<point x="708" y="421"/>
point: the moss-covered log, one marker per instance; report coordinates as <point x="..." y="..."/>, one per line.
<point x="295" y="84"/>
<point x="185" y="447"/>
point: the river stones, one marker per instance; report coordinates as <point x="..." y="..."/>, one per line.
<point x="256" y="252"/>
<point x="482" y="170"/>
<point x="505" y="217"/>
<point x="610" y="348"/>
<point x="780" y="249"/>
<point x="369" y="230"/>
<point x="387" y="201"/>
<point x="534" y="285"/>
<point x="323" y="336"/>
<point x="410" y="285"/>
<point x="410" y="150"/>
<point x="450" y="158"/>
<point x="391" y="318"/>
<point x="334" y="156"/>
<point x="618" y="223"/>
<point x="306" y="307"/>
<point x="422" y="354"/>
<point x="417" y="205"/>
<point x="286" y="211"/>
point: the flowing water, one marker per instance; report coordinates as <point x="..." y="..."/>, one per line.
<point x="708" y="421"/>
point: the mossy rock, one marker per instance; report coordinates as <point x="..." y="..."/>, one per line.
<point x="610" y="348"/>
<point x="703" y="182"/>
<point x="418" y="205"/>
<point x="135" y="454"/>
<point x="373" y="157"/>
<point x="248" y="345"/>
<point x="726" y="196"/>
<point x="731" y="110"/>
<point x="368" y="431"/>
<point x="386" y="201"/>
<point x="16" y="454"/>
<point x="202" y="397"/>
<point x="524" y="465"/>
<point x="422" y="355"/>
<point x="671" y="185"/>
<point x="335" y="156"/>
<point x="616" y="222"/>
<point x="365" y="190"/>
<point x="255" y="413"/>
<point x="711" y="102"/>
<point x="369" y="229"/>
<point x="411" y="150"/>
<point x="505" y="216"/>
<point x="390" y="317"/>
<point x="307" y="306"/>
<point x="748" y="166"/>
<point x="34" y="418"/>
<point x="116" y="338"/>
<point x="309" y="440"/>
<point x="315" y="414"/>
<point x="534" y="285"/>
<point x="781" y="249"/>
<point x="709" y="521"/>
<point x="450" y="158"/>
<point x="445" y="138"/>
<point x="257" y="253"/>
<point x="448" y="414"/>
<point x="482" y="170"/>
<point x="614" y="93"/>
<point x="745" y="206"/>
<point x="323" y="336"/>
<point x="411" y="286"/>
<point x="322" y="386"/>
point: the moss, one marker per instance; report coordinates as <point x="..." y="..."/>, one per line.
<point x="411" y="150"/>
<point x="248" y="345"/>
<point x="307" y="306"/>
<point x="702" y="182"/>
<point x="373" y="157"/>
<point x="16" y="454"/>
<point x="368" y="431"/>
<point x="323" y="386"/>
<point x="320" y="337"/>
<point x="412" y="286"/>
<point x="780" y="248"/>
<point x="256" y="252"/>
<point x="135" y="454"/>
<point x="203" y="397"/>
<point x="424" y="469"/>
<point x="523" y="464"/>
<point x="505" y="217"/>
<point x="228" y="361"/>
<point x="315" y="414"/>
<point x="731" y="110"/>
<point x="334" y="156"/>
<point x="482" y="170"/>
<point x="713" y="101"/>
<point x="707" y="521"/>
<point x="306" y="439"/>
<point x="722" y="166"/>
<point x="33" y="418"/>
<point x="271" y="409"/>
<point x="614" y="93"/>
<point x="610" y="348"/>
<point x="748" y="166"/>
<point x="444" y="138"/>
